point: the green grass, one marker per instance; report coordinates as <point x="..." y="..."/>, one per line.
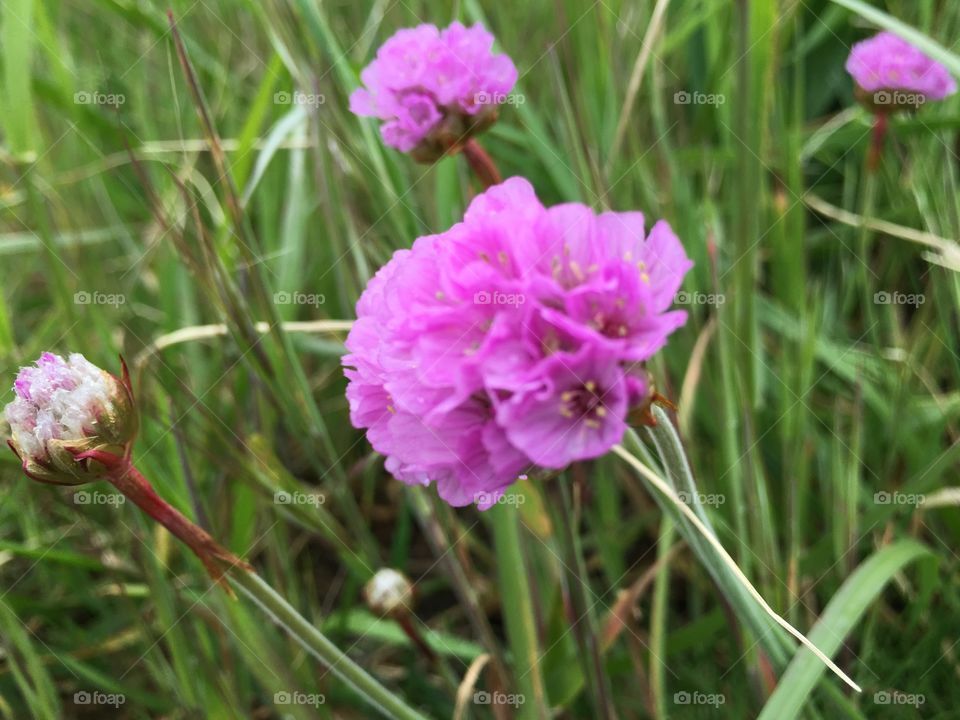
<point x="800" y="397"/>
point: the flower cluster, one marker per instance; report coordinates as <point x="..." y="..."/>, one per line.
<point x="515" y="339"/>
<point x="64" y="406"/>
<point x="433" y="89"/>
<point x="887" y="68"/>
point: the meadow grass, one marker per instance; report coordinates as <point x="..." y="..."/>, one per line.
<point x="816" y="378"/>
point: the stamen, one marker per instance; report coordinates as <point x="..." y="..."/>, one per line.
<point x="575" y="269"/>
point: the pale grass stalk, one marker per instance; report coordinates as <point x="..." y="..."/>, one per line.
<point x="669" y="493"/>
<point x="203" y="332"/>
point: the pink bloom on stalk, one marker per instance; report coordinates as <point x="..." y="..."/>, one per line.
<point x="434" y="88"/>
<point x="887" y="63"/>
<point x="66" y="405"/>
<point x="516" y="339"/>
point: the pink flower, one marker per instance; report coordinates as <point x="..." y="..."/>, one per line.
<point x="434" y="88"/>
<point x="514" y="340"/>
<point x="63" y="406"/>
<point x="886" y="64"/>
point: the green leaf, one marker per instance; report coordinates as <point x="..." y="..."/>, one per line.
<point x="841" y="614"/>
<point x="16" y="40"/>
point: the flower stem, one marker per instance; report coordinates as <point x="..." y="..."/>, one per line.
<point x="576" y="585"/>
<point x="318" y="645"/>
<point x="880" y="124"/>
<point x="518" y="613"/>
<point x="223" y="564"/>
<point x="481" y="163"/>
<point x="128" y="480"/>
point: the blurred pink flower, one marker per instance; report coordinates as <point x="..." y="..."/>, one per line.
<point x="434" y="88"/>
<point x="515" y="339"/>
<point x="886" y="63"/>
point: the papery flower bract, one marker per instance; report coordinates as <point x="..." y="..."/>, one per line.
<point x="64" y="407"/>
<point x="433" y="89"/>
<point x="890" y="73"/>
<point x="515" y="339"/>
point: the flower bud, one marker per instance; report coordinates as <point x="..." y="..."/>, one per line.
<point x="64" y="407"/>
<point x="388" y="591"/>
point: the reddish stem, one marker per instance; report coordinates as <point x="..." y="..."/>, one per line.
<point x="129" y="481"/>
<point x="481" y="163"/>
<point x="876" y="145"/>
<point x="406" y="624"/>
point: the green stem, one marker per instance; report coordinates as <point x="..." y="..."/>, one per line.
<point x="677" y="471"/>
<point x="317" y="644"/>
<point x="518" y="611"/>
<point x="658" y="620"/>
<point x="576" y="584"/>
<point x="868" y="200"/>
<point x="221" y="563"/>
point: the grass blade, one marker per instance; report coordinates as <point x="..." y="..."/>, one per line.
<point x="843" y="611"/>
